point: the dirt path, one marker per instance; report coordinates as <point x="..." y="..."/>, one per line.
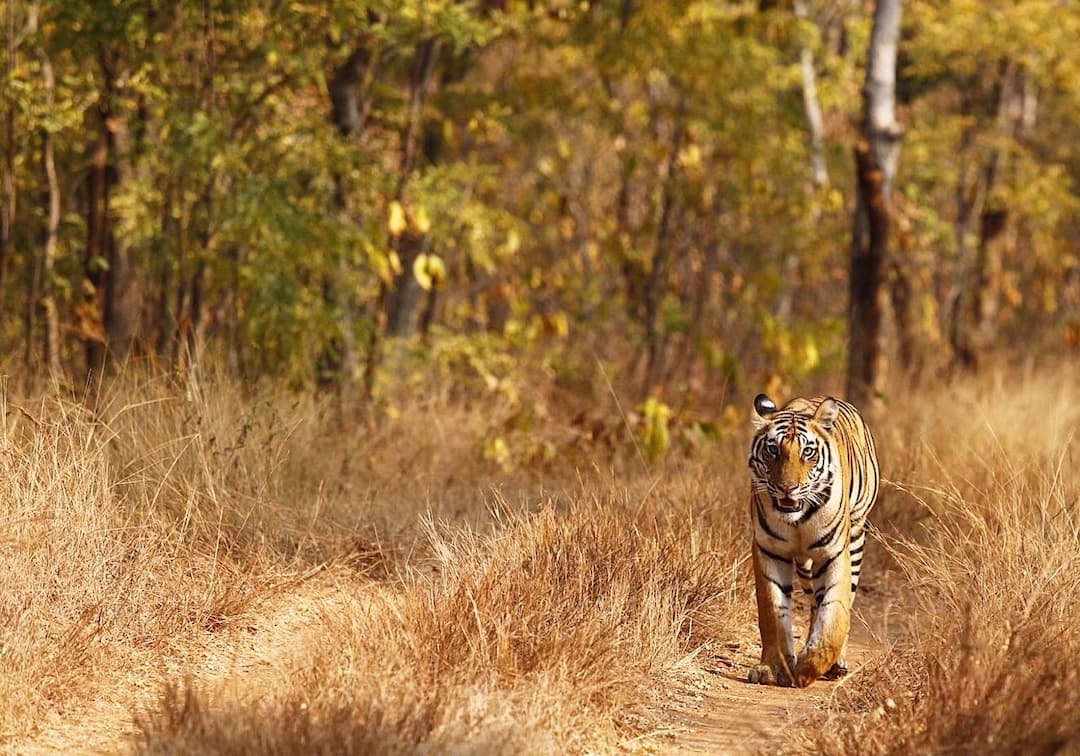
<point x="256" y="653"/>
<point x="733" y="716"/>
<point x="729" y="715"/>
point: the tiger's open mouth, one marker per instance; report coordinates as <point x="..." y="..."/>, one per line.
<point x="787" y="505"/>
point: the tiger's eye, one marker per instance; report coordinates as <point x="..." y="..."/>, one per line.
<point x="809" y="452"/>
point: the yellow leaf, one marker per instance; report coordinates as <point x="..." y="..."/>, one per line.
<point x="656" y="437"/>
<point x="429" y="270"/>
<point x="421" y="220"/>
<point x="811" y="355"/>
<point x="497" y="451"/>
<point x="561" y="324"/>
<point x="436" y="269"/>
<point x="513" y="242"/>
<point x="420" y="272"/>
<point x="383" y="270"/>
<point x="397" y="222"/>
<point x="690" y="157"/>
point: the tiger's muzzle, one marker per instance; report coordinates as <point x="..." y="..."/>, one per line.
<point x="787" y="505"/>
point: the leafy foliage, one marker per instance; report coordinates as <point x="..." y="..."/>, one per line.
<point x="300" y="186"/>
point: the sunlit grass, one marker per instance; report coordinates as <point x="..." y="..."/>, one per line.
<point x="479" y="609"/>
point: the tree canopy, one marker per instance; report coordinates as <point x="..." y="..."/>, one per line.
<point x="331" y="192"/>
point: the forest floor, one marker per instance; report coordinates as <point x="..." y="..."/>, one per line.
<point x="241" y="663"/>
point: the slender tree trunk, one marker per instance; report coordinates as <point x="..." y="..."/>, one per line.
<point x="819" y="172"/>
<point x="973" y="329"/>
<point x="123" y="290"/>
<point x="902" y="295"/>
<point x="198" y="320"/>
<point x="876" y="156"/>
<point x="815" y="122"/>
<point x="116" y="283"/>
<point x="48" y="301"/>
<point x="180" y="313"/>
<point x="236" y="255"/>
<point x="165" y="329"/>
<point x="656" y="283"/>
<point x="351" y="107"/>
<point x="405" y="295"/>
<point x="95" y="258"/>
<point x="7" y="213"/>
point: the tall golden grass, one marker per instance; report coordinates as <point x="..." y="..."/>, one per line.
<point x="561" y="629"/>
<point x="552" y="607"/>
<point x="988" y="663"/>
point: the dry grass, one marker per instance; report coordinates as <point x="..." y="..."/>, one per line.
<point x="557" y="606"/>
<point x="560" y="630"/>
<point x="993" y="567"/>
<point x="88" y="574"/>
<point x="148" y="514"/>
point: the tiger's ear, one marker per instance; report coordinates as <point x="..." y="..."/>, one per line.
<point x="826" y="413"/>
<point x="763" y="407"/>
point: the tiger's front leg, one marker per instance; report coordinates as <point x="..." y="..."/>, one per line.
<point x="831" y="621"/>
<point x="772" y="581"/>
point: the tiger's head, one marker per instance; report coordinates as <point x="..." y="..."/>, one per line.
<point x="791" y="456"/>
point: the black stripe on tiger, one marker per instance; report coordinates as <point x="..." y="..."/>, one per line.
<point x="828" y="537"/>
<point x="765" y="525"/>
<point x="784" y="589"/>
<point x="774" y="557"/>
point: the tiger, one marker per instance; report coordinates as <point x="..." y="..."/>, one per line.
<point x="814" y="477"/>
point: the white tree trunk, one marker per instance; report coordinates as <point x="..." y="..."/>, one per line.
<point x="879" y="92"/>
<point x="815" y="123"/>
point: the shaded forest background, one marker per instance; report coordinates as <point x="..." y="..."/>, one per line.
<point x="362" y="193"/>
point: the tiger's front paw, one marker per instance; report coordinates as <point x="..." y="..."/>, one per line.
<point x="813" y="661"/>
<point x="772" y="674"/>
<point x="760" y="675"/>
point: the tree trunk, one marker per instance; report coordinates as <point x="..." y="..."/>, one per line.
<point x="7" y="213"/>
<point x="876" y="155"/>
<point x="123" y="289"/>
<point x="973" y="327"/>
<point x="819" y="172"/>
<point x="110" y="264"/>
<point x="91" y="327"/>
<point x="903" y="306"/>
<point x="350" y="108"/>
<point x="349" y="112"/>
<point x="815" y="123"/>
<point x="166" y="328"/>
<point x="405" y="295"/>
<point x="48" y="301"/>
<point x="656" y="283"/>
